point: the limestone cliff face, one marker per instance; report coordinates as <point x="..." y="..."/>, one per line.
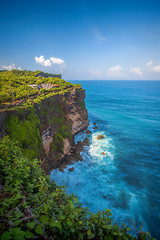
<point x="77" y="112"/>
<point x="66" y="116"/>
<point x="56" y="120"/>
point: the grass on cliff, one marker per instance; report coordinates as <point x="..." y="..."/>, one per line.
<point x="32" y="207"/>
<point x="14" y="87"/>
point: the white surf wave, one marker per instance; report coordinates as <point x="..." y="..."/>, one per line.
<point x="101" y="149"/>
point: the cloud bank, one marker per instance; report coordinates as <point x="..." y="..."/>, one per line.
<point x="136" y="70"/>
<point x="152" y="68"/>
<point x="115" y="69"/>
<point x="10" y="67"/>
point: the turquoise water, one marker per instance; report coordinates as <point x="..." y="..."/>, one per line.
<point x="127" y="179"/>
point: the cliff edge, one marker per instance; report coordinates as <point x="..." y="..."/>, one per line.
<point x="45" y="125"/>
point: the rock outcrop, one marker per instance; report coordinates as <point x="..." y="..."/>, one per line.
<point x="100" y="137"/>
<point x="88" y="132"/>
<point x="86" y="142"/>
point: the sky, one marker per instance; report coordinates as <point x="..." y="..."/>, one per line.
<point x="82" y="39"/>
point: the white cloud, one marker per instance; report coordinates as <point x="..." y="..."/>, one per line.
<point x="56" y="60"/>
<point x="43" y="62"/>
<point x="48" y="62"/>
<point x="115" y="69"/>
<point x="136" y="70"/>
<point x="10" y="67"/>
<point x="156" y="68"/>
<point x="149" y="63"/>
<point x="95" y="72"/>
<point x="153" y="68"/>
<point x="19" y="68"/>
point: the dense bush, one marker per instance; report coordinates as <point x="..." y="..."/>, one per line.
<point x="23" y="128"/>
<point x="32" y="207"/>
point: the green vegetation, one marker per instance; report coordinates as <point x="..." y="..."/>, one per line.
<point x="33" y="207"/>
<point x="14" y="89"/>
<point x="23" y="124"/>
<point x="23" y="127"/>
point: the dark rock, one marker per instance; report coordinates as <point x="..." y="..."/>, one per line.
<point x="86" y="142"/>
<point x="100" y="137"/>
<point x="71" y="169"/>
<point x="95" y="123"/>
<point x="88" y="132"/>
<point x="95" y="127"/>
<point x="79" y="147"/>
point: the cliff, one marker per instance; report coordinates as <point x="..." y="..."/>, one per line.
<point x="46" y="130"/>
<point x="43" y="122"/>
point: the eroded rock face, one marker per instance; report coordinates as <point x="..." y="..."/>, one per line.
<point x="67" y="146"/>
<point x="47" y="139"/>
<point x="77" y="112"/>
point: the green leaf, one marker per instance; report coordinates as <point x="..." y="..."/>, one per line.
<point x="16" y="223"/>
<point x="89" y="232"/>
<point x="31" y="224"/>
<point x="59" y="225"/>
<point x="44" y="219"/>
<point x="29" y="234"/>
<point x="91" y="236"/>
<point x="69" y="223"/>
<point x="53" y="223"/>
<point x="109" y="227"/>
<point x="62" y="217"/>
<point x="39" y="230"/>
<point x="6" y="236"/>
<point x="17" y="233"/>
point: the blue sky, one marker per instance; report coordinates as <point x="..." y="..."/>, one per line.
<point x="82" y="39"/>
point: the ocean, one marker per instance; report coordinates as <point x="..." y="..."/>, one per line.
<point x="127" y="178"/>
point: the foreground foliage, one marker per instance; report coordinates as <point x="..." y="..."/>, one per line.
<point x="32" y="207"/>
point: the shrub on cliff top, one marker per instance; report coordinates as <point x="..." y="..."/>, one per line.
<point x="14" y="86"/>
<point x="34" y="207"/>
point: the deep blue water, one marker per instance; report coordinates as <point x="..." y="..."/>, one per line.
<point x="127" y="179"/>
